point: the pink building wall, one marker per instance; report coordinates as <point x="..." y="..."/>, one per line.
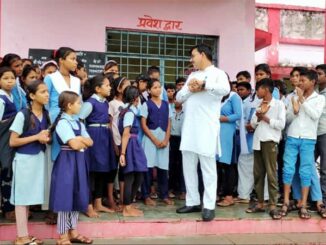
<point x="81" y="24"/>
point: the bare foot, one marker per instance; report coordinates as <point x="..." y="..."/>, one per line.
<point x="101" y="208"/>
<point x="129" y="211"/>
<point x="168" y="201"/>
<point x="135" y="205"/>
<point x="91" y="213"/>
<point x="115" y="207"/>
<point x="149" y="202"/>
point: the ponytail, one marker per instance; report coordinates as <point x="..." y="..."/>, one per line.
<point x="87" y="90"/>
<point x="56" y="121"/>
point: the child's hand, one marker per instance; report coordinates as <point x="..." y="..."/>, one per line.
<point x="299" y="92"/>
<point x="116" y="150"/>
<point x="164" y="144"/>
<point x="295" y="105"/>
<point x="80" y="138"/>
<point x="122" y="160"/>
<point x="157" y="143"/>
<point x="224" y="119"/>
<point x="44" y="136"/>
<point x="259" y="115"/>
<point x="249" y="128"/>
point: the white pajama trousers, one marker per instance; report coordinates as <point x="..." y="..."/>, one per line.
<point x="246" y="177"/>
<point x="208" y="168"/>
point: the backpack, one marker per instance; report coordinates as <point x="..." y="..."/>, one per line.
<point x="7" y="153"/>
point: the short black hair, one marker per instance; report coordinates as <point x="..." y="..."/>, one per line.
<point x="246" y="74"/>
<point x="298" y="69"/>
<point x="246" y="85"/>
<point x="281" y="86"/>
<point x="266" y="83"/>
<point x="265" y="68"/>
<point x="310" y="74"/>
<point x="203" y="48"/>
<point x="180" y="80"/>
<point x="321" y="67"/>
<point x="153" y="69"/>
<point x="169" y="86"/>
<point x="80" y="64"/>
<point x="142" y="77"/>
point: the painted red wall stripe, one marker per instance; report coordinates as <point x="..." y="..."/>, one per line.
<point x="288" y="7"/>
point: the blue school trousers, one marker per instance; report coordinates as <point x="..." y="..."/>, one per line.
<point x="315" y="190"/>
<point x="304" y="148"/>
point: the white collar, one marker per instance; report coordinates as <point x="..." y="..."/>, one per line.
<point x="10" y="97"/>
<point x="60" y="84"/>
<point x="98" y="98"/>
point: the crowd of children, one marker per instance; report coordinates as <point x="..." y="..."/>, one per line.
<point x="77" y="144"/>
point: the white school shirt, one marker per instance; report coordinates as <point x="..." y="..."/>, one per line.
<point x="201" y="125"/>
<point x="304" y="124"/>
<point x="322" y="120"/>
<point x="271" y="131"/>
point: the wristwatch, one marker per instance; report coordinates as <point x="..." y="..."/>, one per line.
<point x="203" y="86"/>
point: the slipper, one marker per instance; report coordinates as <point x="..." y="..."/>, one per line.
<point x="241" y="200"/>
<point x="322" y="211"/>
<point x="81" y="239"/>
<point x="285" y="210"/>
<point x="303" y="213"/>
<point x="63" y="241"/>
<point x="275" y="214"/>
<point x="255" y="209"/>
<point x="225" y="203"/>
<point x="36" y="240"/>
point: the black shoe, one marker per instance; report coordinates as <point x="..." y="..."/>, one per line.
<point x="189" y="209"/>
<point x="208" y="214"/>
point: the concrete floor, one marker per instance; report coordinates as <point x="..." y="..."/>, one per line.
<point x="285" y="238"/>
<point x="168" y="213"/>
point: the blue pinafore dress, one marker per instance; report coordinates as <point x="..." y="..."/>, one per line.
<point x="69" y="181"/>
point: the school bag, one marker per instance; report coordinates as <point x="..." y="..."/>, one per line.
<point x="7" y="153"/>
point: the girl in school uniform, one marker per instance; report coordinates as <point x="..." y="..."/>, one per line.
<point x="132" y="157"/>
<point x="28" y="179"/>
<point x="14" y="62"/>
<point x="8" y="111"/>
<point x="118" y="85"/>
<point x="231" y="112"/>
<point x="156" y="125"/>
<point x="7" y="83"/>
<point x="100" y="157"/>
<point x="28" y="75"/>
<point x="58" y="82"/>
<point x="69" y="192"/>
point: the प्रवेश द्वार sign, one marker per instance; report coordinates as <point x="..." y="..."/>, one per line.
<point x="153" y="23"/>
<point x="94" y="61"/>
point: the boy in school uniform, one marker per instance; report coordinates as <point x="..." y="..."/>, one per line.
<point x="268" y="122"/>
<point x="246" y="161"/>
<point x="302" y="116"/>
<point x="176" y="179"/>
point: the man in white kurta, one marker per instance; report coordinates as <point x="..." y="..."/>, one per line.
<point x="201" y="96"/>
